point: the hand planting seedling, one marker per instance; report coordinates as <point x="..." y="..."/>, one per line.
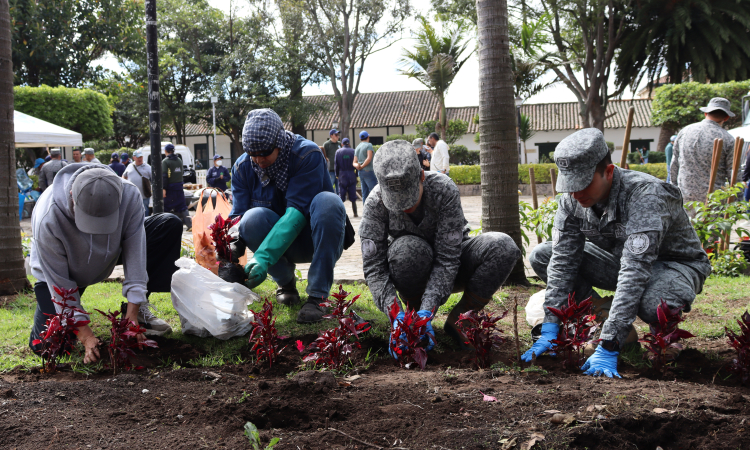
<point x="408" y="330"/>
<point x="577" y="329"/>
<point x="123" y="340"/>
<point x="664" y="335"/>
<point x="59" y="335"/>
<point x="741" y="343"/>
<point x="480" y="331"/>
<point x="265" y="338"/>
<point x="229" y="271"/>
<point x="332" y="347"/>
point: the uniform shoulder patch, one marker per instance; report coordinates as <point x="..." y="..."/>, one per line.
<point x="637" y="243"/>
<point x="368" y="248"/>
<point x="454" y="237"/>
<point x="555" y="236"/>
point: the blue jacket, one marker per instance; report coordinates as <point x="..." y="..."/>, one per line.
<point x="213" y="180"/>
<point x="308" y="176"/>
<point x="343" y="166"/>
<point x="118" y="168"/>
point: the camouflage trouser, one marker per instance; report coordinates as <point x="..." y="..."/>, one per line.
<point x="671" y="281"/>
<point x="486" y="261"/>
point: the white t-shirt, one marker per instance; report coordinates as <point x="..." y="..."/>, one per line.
<point x="440" y="158"/>
<point x="132" y="175"/>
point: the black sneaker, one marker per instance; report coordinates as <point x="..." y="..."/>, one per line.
<point x="154" y="326"/>
<point x="311" y="312"/>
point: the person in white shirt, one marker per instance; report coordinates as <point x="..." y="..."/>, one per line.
<point x="440" y="158"/>
<point x="138" y="173"/>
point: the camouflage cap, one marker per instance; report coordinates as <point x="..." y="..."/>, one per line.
<point x="397" y="169"/>
<point x="576" y="157"/>
<point x="718" y="104"/>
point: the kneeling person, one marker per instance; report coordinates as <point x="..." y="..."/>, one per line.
<point x="88" y="222"/>
<point x="618" y="230"/>
<point x="415" y="241"/>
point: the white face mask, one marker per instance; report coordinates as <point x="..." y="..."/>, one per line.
<point x="218" y="162"/>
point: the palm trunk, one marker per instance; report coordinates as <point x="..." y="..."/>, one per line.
<point x="497" y="121"/>
<point x="12" y="274"/>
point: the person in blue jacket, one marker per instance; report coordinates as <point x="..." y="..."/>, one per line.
<point x="290" y="214"/>
<point x="343" y="166"/>
<point x="116" y="165"/>
<point x="218" y="175"/>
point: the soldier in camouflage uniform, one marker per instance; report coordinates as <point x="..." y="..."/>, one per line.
<point x="619" y="230"/>
<point x="50" y="169"/>
<point x="415" y="241"/>
<point x="692" y="152"/>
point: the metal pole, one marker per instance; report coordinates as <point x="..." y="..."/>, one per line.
<point x="214" y="105"/>
<point x="154" y="121"/>
<point x="518" y="132"/>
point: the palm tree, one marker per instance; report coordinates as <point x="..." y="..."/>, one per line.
<point x="436" y="60"/>
<point x="497" y="122"/>
<point x="525" y="132"/>
<point x="12" y="274"/>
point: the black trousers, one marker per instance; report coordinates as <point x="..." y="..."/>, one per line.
<point x="163" y="237"/>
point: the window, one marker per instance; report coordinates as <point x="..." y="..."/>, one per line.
<point x="376" y="140"/>
<point x="201" y="154"/>
<point x="545" y="150"/>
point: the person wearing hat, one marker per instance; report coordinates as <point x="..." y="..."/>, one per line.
<point x="88" y="222"/>
<point x="693" y="152"/>
<point x="619" y="230"/>
<point x="38" y="163"/>
<point x="330" y="147"/>
<point x="345" y="173"/>
<point x="174" y="196"/>
<point x="89" y="157"/>
<point x="363" y="155"/>
<point x="115" y="164"/>
<point x="422" y="154"/>
<point x="50" y="169"/>
<point x="218" y="175"/>
<point x="139" y="174"/>
<point x="668" y="155"/>
<point x="415" y="242"/>
<point x="125" y="158"/>
<point x="290" y="214"/>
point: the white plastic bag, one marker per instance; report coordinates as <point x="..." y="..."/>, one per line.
<point x="209" y="305"/>
<point x="535" y="309"/>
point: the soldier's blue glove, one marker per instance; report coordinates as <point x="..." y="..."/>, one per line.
<point x="544" y="343"/>
<point x="399" y="318"/>
<point x="429" y="329"/>
<point x="601" y="362"/>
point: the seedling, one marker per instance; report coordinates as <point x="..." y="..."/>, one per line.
<point x="664" y="335"/>
<point x="123" y="341"/>
<point x="577" y="329"/>
<point x="741" y="343"/>
<point x="481" y="333"/>
<point x="407" y="334"/>
<point x="265" y="338"/>
<point x="60" y="331"/>
<point x="228" y="270"/>
<point x="251" y="431"/>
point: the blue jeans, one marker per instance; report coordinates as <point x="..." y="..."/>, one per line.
<point x="334" y="183"/>
<point x="368" y="181"/>
<point x="145" y="207"/>
<point x="321" y="242"/>
<point x="747" y="191"/>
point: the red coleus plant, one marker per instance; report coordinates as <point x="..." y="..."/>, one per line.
<point x="265" y="338"/>
<point x="664" y="335"/>
<point x="61" y="330"/>
<point x="123" y="341"/>
<point x="577" y="329"/>
<point x="332" y="347"/>
<point x="407" y="334"/>
<point x="220" y="235"/>
<point x="741" y="343"/>
<point x="480" y="330"/>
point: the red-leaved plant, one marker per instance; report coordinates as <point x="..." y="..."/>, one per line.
<point x="61" y="330"/>
<point x="228" y="270"/>
<point x="741" y="343"/>
<point x="665" y="334"/>
<point x="577" y="329"/>
<point x="406" y="335"/>
<point x="123" y="341"/>
<point x="481" y="330"/>
<point x="265" y="338"/>
<point x="332" y="347"/>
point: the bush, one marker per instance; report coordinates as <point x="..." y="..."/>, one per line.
<point x="465" y="175"/>
<point x="541" y="173"/>
<point x="105" y="156"/>
<point x="611" y="146"/>
<point x="676" y="105"/>
<point x="653" y="158"/>
<point x="456" y="129"/>
<point x="657" y="170"/>
<point x="81" y="110"/>
<point x="406" y="137"/>
<point x="460" y="155"/>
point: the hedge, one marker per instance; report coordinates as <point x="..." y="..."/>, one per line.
<point x="105" y="156"/>
<point x="653" y="158"/>
<point x="658" y="170"/>
<point x="676" y="105"/>
<point x="81" y="110"/>
<point x="471" y="174"/>
<point x="465" y="174"/>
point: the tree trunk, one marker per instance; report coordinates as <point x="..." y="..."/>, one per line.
<point x="497" y="121"/>
<point x="667" y="130"/>
<point x="12" y="274"/>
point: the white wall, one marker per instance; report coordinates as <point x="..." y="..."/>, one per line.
<point x="616" y="135"/>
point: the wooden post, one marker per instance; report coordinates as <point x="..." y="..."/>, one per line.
<point x="553" y="179"/>
<point x="738" y="144"/>
<point x="626" y="141"/>
<point x="714" y="165"/>
<point x="534" y="201"/>
<point x="515" y="328"/>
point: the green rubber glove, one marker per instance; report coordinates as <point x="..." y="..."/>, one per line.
<point x="274" y="245"/>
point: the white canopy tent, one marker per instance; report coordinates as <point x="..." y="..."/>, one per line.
<point x="744" y="133"/>
<point x="33" y="132"/>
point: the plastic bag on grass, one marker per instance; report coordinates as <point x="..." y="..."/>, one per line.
<point x="535" y="309"/>
<point x="209" y="305"/>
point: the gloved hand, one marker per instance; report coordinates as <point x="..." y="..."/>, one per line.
<point x="276" y="242"/>
<point x="601" y="362"/>
<point x="256" y="272"/>
<point x="429" y="329"/>
<point x="544" y="343"/>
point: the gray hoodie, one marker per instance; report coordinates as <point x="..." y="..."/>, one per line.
<point x="64" y="256"/>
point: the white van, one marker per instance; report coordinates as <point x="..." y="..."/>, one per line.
<point x="182" y="152"/>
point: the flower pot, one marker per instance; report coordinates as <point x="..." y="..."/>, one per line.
<point x="231" y="273"/>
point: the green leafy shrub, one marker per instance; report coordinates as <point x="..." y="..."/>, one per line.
<point x="657" y="170"/>
<point x="405" y="137"/>
<point x="676" y="105"/>
<point x="456" y="129"/>
<point x="718" y="216"/>
<point x="653" y="158"/>
<point x="105" y="156"/>
<point x="541" y="173"/>
<point x="611" y="146"/>
<point x="465" y="175"/>
<point x="728" y="263"/>
<point x="460" y="155"/>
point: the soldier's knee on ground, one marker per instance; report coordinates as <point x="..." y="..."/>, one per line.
<point x="539" y="259"/>
<point x="498" y="244"/>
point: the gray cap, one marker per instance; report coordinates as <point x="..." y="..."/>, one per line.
<point x="54" y="151"/>
<point x="576" y="157"/>
<point x="418" y="143"/>
<point x="397" y="169"/>
<point x="88" y="151"/>
<point x="716" y="104"/>
<point x="97" y="194"/>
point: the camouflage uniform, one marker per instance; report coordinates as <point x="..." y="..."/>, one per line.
<point x="49" y="171"/>
<point x="427" y="254"/>
<point x="642" y="246"/>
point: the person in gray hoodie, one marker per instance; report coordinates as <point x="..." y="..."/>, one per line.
<point x="88" y="222"/>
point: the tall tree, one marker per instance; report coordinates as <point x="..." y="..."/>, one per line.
<point x="348" y="33"/>
<point x="436" y="60"/>
<point x="497" y="113"/>
<point x="12" y="274"/>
